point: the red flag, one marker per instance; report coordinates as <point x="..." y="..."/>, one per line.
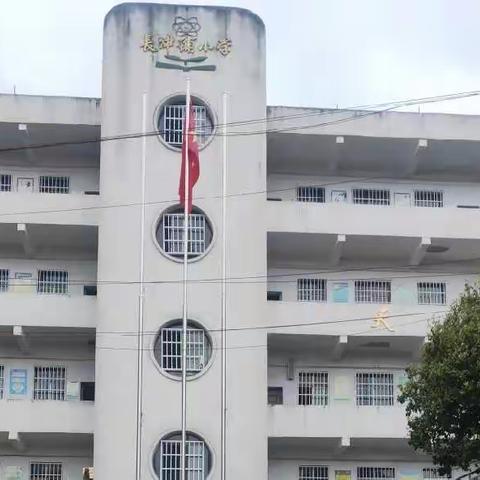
<point x="193" y="161"/>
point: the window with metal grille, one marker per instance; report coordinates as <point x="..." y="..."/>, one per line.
<point x="51" y="184"/>
<point x="49" y="383"/>
<point x="312" y="472"/>
<point x="432" y="473"/>
<point x="432" y="293"/>
<point x="311" y="290"/>
<point x="428" y="198"/>
<point x="173" y="234"/>
<point x="374" y="389"/>
<point x="171" y="349"/>
<point x="313" y="388"/>
<point x="168" y="458"/>
<point x="371" y="196"/>
<point x="52" y="281"/>
<point x="375" y="473"/>
<point x="4" y="274"/>
<point x="373" y="291"/>
<point x="5" y="183"/>
<point x="2" y="382"/>
<point x="311" y="194"/>
<point x="45" y="471"/>
<point x="172" y="121"/>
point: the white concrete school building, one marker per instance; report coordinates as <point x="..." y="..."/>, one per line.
<point x="318" y="259"/>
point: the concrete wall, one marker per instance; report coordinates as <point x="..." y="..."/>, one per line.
<point x="25" y="414"/>
<point x="72" y="466"/>
<point x="382" y="124"/>
<point x="81" y="179"/>
<point x="403" y="284"/>
<point x="288" y="469"/>
<point x="128" y="74"/>
<point x="284" y="187"/>
<point x="41" y="109"/>
<point x="27" y="307"/>
<point x="80" y="273"/>
<point x="341" y="417"/>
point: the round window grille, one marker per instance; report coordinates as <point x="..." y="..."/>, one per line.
<point x="171" y="119"/>
<point x="169" y="233"/>
<point x="168" y="348"/>
<point x="167" y="457"/>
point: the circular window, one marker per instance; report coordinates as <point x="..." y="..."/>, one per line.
<point x="171" y="117"/>
<point x="169" y="233"/>
<point x="167" y="457"/>
<point x="168" y="348"/>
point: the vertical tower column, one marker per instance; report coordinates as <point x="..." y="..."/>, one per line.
<point x="151" y="49"/>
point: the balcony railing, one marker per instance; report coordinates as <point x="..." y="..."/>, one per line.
<point x="50" y="416"/>
<point x="335" y="217"/>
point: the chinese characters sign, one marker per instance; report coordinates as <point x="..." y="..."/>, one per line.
<point x="183" y="48"/>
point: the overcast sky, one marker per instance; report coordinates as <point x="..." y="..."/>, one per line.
<point x="320" y="53"/>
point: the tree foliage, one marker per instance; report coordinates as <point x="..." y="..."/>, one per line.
<point x="442" y="393"/>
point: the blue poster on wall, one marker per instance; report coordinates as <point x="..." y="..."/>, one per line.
<point x="18" y="382"/>
<point x="340" y="292"/>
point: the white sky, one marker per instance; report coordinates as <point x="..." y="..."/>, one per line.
<point x="320" y="53"/>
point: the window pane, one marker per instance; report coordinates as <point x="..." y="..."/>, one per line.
<point x="49" y="383"/>
<point x="45" y="471"/>
<point x="374" y="389"/>
<point x="173" y="120"/>
<point x="425" y="198"/>
<point x="311" y="290"/>
<point x="432" y="293"/>
<point x="370" y="196"/>
<point x="313" y="472"/>
<point x="171" y="349"/>
<point x="173" y="234"/>
<point x="373" y="291"/>
<point x="50" y="184"/>
<point x="313" y="388"/>
<point x="5" y="183"/>
<point x="171" y="459"/>
<point x="52" y="281"/>
<point x="311" y="194"/>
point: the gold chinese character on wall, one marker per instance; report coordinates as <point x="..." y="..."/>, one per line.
<point x="184" y="39"/>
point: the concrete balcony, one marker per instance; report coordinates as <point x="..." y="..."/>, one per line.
<point x="354" y="318"/>
<point x="41" y="208"/>
<point x="337" y="421"/>
<point x="387" y="221"/>
<point x="396" y="144"/>
<point x="45" y="416"/>
<point x="48" y="310"/>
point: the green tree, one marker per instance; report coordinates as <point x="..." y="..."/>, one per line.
<point x="442" y="392"/>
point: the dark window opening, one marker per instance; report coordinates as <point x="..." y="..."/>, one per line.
<point x="87" y="391"/>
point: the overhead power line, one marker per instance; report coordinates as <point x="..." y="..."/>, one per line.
<point x="356" y="115"/>
<point x="390" y="270"/>
<point x="134" y="333"/>
<point x="170" y="201"/>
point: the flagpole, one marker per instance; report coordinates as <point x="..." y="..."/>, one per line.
<point x="141" y="296"/>
<point x="185" y="280"/>
<point x="224" y="292"/>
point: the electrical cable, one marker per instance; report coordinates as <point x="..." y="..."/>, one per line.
<point x="416" y="272"/>
<point x="357" y="115"/>
<point x="126" y="333"/>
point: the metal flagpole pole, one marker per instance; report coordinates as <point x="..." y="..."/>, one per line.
<point x="141" y="294"/>
<point x="185" y="279"/>
<point x="224" y="292"/>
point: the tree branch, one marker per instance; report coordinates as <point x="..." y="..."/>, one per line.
<point x="477" y="470"/>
